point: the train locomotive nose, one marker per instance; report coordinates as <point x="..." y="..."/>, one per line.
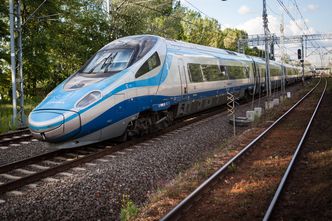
<point x="54" y="125"/>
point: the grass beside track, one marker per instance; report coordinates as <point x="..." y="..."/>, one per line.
<point x="6" y="112"/>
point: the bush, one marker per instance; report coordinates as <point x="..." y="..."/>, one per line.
<point x="128" y="210"/>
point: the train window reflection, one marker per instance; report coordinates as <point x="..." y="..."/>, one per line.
<point x="236" y="72"/>
<point x="195" y="73"/>
<point x="213" y="73"/>
<point x="275" y="72"/>
<point x="114" y="60"/>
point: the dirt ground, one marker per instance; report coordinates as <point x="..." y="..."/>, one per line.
<point x="165" y="199"/>
<point x="308" y="193"/>
<point x="246" y="191"/>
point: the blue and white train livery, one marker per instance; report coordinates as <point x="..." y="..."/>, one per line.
<point x="138" y="83"/>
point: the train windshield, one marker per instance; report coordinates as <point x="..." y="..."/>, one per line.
<point x="106" y="61"/>
<point x="111" y="59"/>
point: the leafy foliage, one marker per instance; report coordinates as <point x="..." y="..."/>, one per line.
<point x="128" y="210"/>
<point x="62" y="35"/>
<point x="4" y="51"/>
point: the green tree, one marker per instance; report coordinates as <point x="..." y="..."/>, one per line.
<point x="60" y="37"/>
<point x="169" y="25"/>
<point x="254" y="51"/>
<point x="4" y="51"/>
<point x="202" y="31"/>
<point x="231" y="38"/>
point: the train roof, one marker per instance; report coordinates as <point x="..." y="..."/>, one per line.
<point x="191" y="48"/>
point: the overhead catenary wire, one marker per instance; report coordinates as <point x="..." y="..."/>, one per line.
<point x="200" y="11"/>
<point x="140" y="20"/>
<point x="304" y="22"/>
<point x="34" y="12"/>
<point x="173" y="16"/>
<point x="272" y="10"/>
<point x="281" y="3"/>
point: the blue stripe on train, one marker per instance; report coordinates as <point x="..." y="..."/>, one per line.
<point x="153" y="81"/>
<point x="136" y="105"/>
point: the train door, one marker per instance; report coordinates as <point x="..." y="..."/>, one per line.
<point x="183" y="104"/>
<point x="183" y="78"/>
<point x="283" y="78"/>
<point x="262" y="73"/>
<point x="257" y="78"/>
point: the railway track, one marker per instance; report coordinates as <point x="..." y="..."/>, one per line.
<point x="21" y="135"/>
<point x="291" y="163"/>
<point x="15" y="137"/>
<point x="193" y="202"/>
<point x="21" y="173"/>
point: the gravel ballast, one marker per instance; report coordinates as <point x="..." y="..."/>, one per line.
<point x="23" y="150"/>
<point x="96" y="190"/>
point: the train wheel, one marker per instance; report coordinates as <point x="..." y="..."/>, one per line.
<point x="247" y="96"/>
<point x="122" y="138"/>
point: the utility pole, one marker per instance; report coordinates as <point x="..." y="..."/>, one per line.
<point x="109" y="7"/>
<point x="282" y="29"/>
<point x="13" y="59"/>
<point x="267" y="57"/>
<point x="302" y="59"/>
<point x="18" y="118"/>
<point x="109" y="17"/>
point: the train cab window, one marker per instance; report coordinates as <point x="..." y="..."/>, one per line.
<point x="213" y="72"/>
<point x="109" y="61"/>
<point x="149" y="65"/>
<point x="195" y="72"/>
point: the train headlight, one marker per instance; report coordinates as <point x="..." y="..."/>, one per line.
<point x="89" y="99"/>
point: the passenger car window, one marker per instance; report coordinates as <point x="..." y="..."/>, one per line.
<point x="213" y="73"/>
<point x="275" y="72"/>
<point x="195" y="73"/>
<point x="236" y="72"/>
<point x="149" y="65"/>
<point x="223" y="69"/>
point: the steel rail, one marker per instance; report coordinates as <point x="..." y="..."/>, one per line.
<point x="16" y="139"/>
<point x="10" y="137"/>
<point x="15" y="184"/>
<point x="183" y="121"/>
<point x="177" y="210"/>
<point x="290" y="165"/>
<point x="57" y="169"/>
<point x="13" y="133"/>
<point x="21" y="163"/>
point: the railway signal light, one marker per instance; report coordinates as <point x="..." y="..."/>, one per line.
<point x="299" y="54"/>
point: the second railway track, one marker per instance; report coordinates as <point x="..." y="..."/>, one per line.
<point x="243" y="187"/>
<point x="15" y="137"/>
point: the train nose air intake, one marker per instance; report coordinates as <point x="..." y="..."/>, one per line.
<point x="54" y="125"/>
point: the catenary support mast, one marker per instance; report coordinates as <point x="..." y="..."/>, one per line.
<point x="13" y="58"/>
<point x="18" y="118"/>
<point x="267" y="56"/>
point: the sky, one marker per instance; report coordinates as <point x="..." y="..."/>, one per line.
<point x="247" y="15"/>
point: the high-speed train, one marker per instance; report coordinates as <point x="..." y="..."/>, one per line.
<point x="139" y="83"/>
